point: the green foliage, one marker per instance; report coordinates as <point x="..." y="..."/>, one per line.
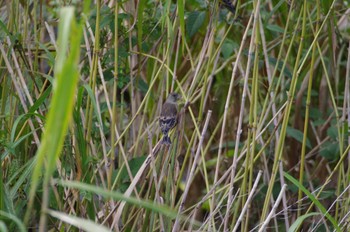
<point x="80" y="223"/>
<point x="81" y="93"/>
<point x="298" y="135"/>
<point x="299" y="221"/>
<point x="313" y="199"/>
<point x="228" y="47"/>
<point x="194" y="22"/>
<point x="134" y="165"/>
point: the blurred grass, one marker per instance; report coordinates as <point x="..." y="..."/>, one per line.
<point x="274" y="76"/>
<point x="61" y="108"/>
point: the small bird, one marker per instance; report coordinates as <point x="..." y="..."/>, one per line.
<point x="168" y="117"/>
<point x="228" y="5"/>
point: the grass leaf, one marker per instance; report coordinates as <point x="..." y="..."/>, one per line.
<point x="313" y="199"/>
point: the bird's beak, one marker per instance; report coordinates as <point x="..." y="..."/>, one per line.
<point x="179" y="97"/>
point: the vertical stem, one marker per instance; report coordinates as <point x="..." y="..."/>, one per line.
<point x="307" y="113"/>
<point x="93" y="74"/>
<point x="115" y="90"/>
<point x="252" y="125"/>
<point x="280" y="145"/>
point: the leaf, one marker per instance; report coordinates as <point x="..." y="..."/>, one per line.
<point x="330" y="150"/>
<point x="134" y="165"/>
<point x="298" y="135"/>
<point x="93" y="101"/>
<point x="181" y="10"/>
<point x="15" y="219"/>
<point x="142" y="85"/>
<point x="275" y="28"/>
<point x="194" y="21"/>
<point x="162" y="209"/>
<point x="81" y="223"/>
<point x="18" y="178"/>
<point x="332" y="132"/>
<point x="286" y="71"/>
<point x="140" y="21"/>
<point x="49" y="55"/>
<point x="40" y="100"/>
<point x="315" y="114"/>
<point x="107" y="17"/>
<point x="228" y="48"/>
<point x="314" y="200"/>
<point x="276" y="9"/>
<point x="299" y="221"/>
<point x="326" y="5"/>
<point x="62" y="104"/>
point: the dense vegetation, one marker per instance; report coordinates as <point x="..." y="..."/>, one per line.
<point x="262" y="141"/>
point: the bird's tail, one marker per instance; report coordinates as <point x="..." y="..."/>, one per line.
<point x="166" y="140"/>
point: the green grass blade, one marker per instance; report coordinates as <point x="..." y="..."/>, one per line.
<point x="81" y="223"/>
<point x="13" y="218"/>
<point x="299" y="221"/>
<point x="314" y="200"/>
<point x="61" y="108"/>
<point x="119" y="196"/>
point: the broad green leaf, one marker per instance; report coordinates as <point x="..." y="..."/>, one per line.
<point x="298" y="135"/>
<point x="332" y="132"/>
<point x="228" y="48"/>
<point x="330" y="150"/>
<point x="134" y="165"/>
<point x="194" y="21"/>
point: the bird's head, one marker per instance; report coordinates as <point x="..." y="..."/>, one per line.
<point x="173" y="97"/>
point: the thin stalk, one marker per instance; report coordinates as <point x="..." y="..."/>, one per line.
<point x="280" y="146"/>
<point x="253" y="118"/>
<point x="36" y="28"/>
<point x="306" y="122"/>
<point x="115" y="91"/>
<point x="227" y="105"/>
<point x="191" y="174"/>
<point x="209" y="65"/>
<point x="346" y="114"/>
<point x="252" y="49"/>
<point x="4" y="96"/>
<point x="18" y="89"/>
<point x="190" y="145"/>
<point x="273" y="210"/>
<point x="133" y="183"/>
<point x="93" y="73"/>
<point x="272" y="100"/>
<point x="341" y="149"/>
<point x="270" y="91"/>
<point x="246" y="206"/>
<point x="201" y="60"/>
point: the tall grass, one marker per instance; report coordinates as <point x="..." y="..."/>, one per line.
<point x="262" y="142"/>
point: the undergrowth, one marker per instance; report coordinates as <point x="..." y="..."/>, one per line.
<point x="262" y="141"/>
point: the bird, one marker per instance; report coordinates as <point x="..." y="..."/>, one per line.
<point x="169" y="116"/>
<point x="228" y="5"/>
